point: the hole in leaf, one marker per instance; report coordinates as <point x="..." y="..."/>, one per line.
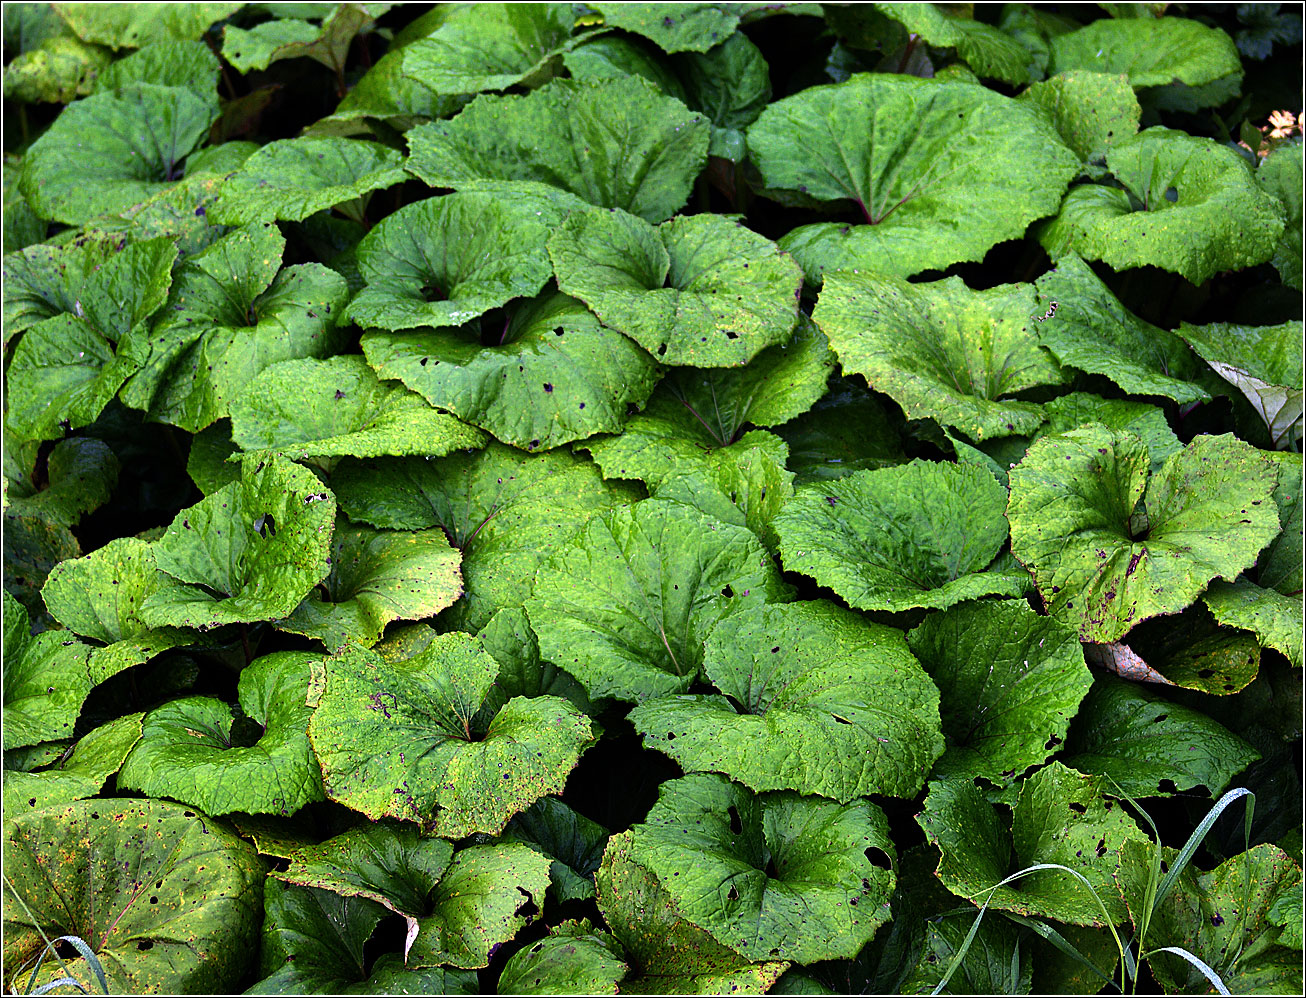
<point x="1159" y="718"/>
<point x="145" y="944"/>
<point x="265" y="526"/>
<point x="1052" y="742"/>
<point x="841" y="720"/>
<point x="1167" y="787"/>
<point x="1171" y="195"/>
<point x="1077" y="807"/>
<point x="732" y="894"/>
<point x="728" y="592"/>
<point x="879" y="858"/>
<point x="736" y="826"/>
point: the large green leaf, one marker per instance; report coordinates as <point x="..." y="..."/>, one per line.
<point x="78" y="773"/>
<point x="1152" y="52"/>
<point x="60" y="69"/>
<point x="1010" y="682"/>
<point x="136" y="26"/>
<point x="1225" y="916"/>
<point x="1188" y="205"/>
<point x="388" y="863"/>
<point x="573" y="843"/>
<point x="293" y="178"/>
<point x="1262" y="362"/>
<point x="549" y="375"/>
<point x="1274" y="618"/>
<point x="1148" y="745"/>
<point x="313" y="943"/>
<point x="81" y="474"/>
<point x="123" y="875"/>
<point x="1091" y="110"/>
<point x="615" y="144"/>
<point x="689" y="27"/>
<point x="667" y="953"/>
<point x="988" y="51"/>
<point x="940" y="171"/>
<point x="45" y="680"/>
<point x="915" y="535"/>
<point x="488" y="894"/>
<point x="397" y="739"/>
<point x="250" y="551"/>
<point x="490" y="46"/>
<point x="509" y="639"/>
<point x="1091" y="330"/>
<point x="798" y="712"/>
<point x="773" y="877"/>
<point x="1103" y="561"/>
<point x="229" y="315"/>
<point x="378" y="576"/>
<point x="700" y="290"/>
<point x="100" y="596"/>
<point x="1060" y="817"/>
<point x="167" y="63"/>
<point x="1280" y="174"/>
<point x="112" y="150"/>
<point x="199" y="751"/>
<point x="338" y="407"/>
<point x="940" y="349"/>
<point x="505" y="510"/>
<point x="626" y="604"/>
<point x="1281" y="565"/>
<point x="574" y="958"/>
<point x="442" y="261"/>
<point x="110" y="285"/>
<point x="296" y="37"/>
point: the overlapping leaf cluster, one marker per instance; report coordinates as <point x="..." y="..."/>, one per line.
<point x="582" y="394"/>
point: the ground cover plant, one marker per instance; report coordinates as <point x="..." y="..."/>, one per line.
<point x="550" y="498"/>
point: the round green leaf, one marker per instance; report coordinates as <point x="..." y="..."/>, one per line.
<point x="79" y="772"/>
<point x="231" y="313"/>
<point x="505" y="510"/>
<point x="167" y="63"/>
<point x="100" y="596"/>
<point x="490" y="47"/>
<point x="313" y="943"/>
<point x="445" y="260"/>
<point x="1276" y="620"/>
<point x="122" y="875"/>
<point x="940" y="349"/>
<point x="45" y="680"/>
<point x="397" y="739"/>
<point x="778" y="877"/>
<point x="573" y="843"/>
<point x="1154" y="52"/>
<point x="81" y="474"/>
<point x="250" y="551"/>
<point x="988" y="51"/>
<point x="293" y="178"/>
<point x="915" y="535"/>
<point x="549" y="375"/>
<point x="667" y="953"/>
<point x="1150" y="746"/>
<point x="193" y="751"/>
<point x="1060" y="817"/>
<point x="112" y="150"/>
<point x="626" y="604"/>
<point x="698" y="290"/>
<point x="574" y="958"/>
<point x="1189" y="205"/>
<point x="940" y="171"/>
<point x="1262" y="362"/>
<point x="1091" y="110"/>
<point x="615" y="144"/>
<point x="1091" y="330"/>
<point x="798" y="712"/>
<point x="1105" y="562"/>
<point x="126" y="26"/>
<point x="688" y="27"/>
<point x="378" y="576"/>
<point x="338" y="407"/>
<point x="1011" y="682"/>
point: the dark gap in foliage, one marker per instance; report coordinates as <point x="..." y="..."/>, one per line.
<point x="616" y="781"/>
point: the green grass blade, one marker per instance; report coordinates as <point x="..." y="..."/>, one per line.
<point x="62" y="982"/>
<point x="88" y="954"/>
<point x="1051" y="935"/>
<point x="1199" y="833"/>
<point x="1207" y="972"/>
<point x="961" y="952"/>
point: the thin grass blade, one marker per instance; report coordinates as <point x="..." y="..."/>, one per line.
<point x="1051" y="935"/>
<point x="1200" y="833"/>
<point x="62" y="982"/>
<point x="88" y="954"/>
<point x="1207" y="972"/>
<point x="961" y="952"/>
